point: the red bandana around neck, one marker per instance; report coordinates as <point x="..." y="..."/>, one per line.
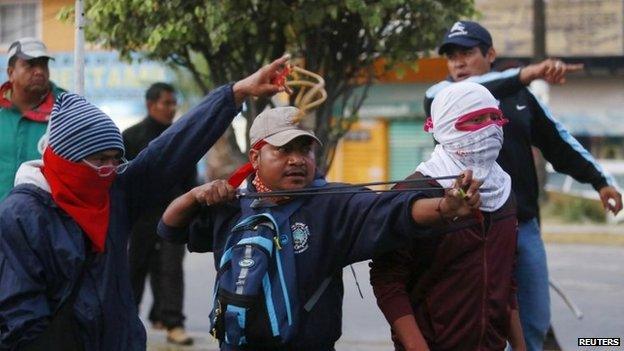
<point x="237" y="178"/>
<point x="246" y="170"/>
<point x="41" y="113"/>
<point x="263" y="188"/>
<point x="82" y="193"/>
<point x="259" y="185"/>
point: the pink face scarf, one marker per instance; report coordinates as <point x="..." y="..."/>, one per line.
<point x="474" y="147"/>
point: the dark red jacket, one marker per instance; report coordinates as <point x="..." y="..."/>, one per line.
<point x="459" y="284"/>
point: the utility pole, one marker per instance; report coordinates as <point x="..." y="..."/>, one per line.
<point x="539" y="87"/>
<point x="539" y="30"/>
<point x="79" y="48"/>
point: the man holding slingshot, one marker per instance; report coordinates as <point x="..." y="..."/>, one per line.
<point x="319" y="234"/>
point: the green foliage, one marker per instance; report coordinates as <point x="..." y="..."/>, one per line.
<point x="222" y="41"/>
<point x="570" y="209"/>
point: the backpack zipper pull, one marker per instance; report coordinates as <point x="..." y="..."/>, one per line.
<point x="217" y="315"/>
<point x="277" y="242"/>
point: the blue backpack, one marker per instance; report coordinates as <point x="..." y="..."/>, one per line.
<point x="255" y="299"/>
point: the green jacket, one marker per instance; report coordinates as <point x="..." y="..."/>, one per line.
<point x="19" y="135"/>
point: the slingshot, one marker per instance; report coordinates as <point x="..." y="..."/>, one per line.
<point x="347" y="189"/>
<point x="311" y="88"/>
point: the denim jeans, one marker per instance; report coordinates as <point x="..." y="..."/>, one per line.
<point x="533" y="289"/>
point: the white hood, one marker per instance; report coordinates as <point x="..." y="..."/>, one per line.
<point x="459" y="150"/>
<point x="30" y="173"/>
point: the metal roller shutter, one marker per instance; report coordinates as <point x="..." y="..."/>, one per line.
<point x="409" y="145"/>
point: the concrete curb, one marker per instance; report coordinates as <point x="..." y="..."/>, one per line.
<point x="584" y="239"/>
<point x="591" y="234"/>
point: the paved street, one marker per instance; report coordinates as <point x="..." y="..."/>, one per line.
<point x="593" y="276"/>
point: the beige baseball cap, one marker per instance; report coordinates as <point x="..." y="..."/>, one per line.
<point x="276" y="127"/>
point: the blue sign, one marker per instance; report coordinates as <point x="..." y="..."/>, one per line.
<point x="116" y="87"/>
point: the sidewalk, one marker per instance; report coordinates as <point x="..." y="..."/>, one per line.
<point x="592" y="234"/>
<point x="157" y="341"/>
<point x="364" y="328"/>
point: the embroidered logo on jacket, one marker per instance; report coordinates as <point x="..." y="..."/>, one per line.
<point x="300" y="235"/>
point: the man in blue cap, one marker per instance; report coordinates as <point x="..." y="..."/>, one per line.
<point x="470" y="54"/>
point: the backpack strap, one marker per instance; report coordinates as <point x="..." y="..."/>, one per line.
<point x="286" y="211"/>
<point x="309" y="305"/>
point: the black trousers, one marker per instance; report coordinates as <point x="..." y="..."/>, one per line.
<point x="162" y="261"/>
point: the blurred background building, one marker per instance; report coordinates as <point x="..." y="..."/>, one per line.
<point x="116" y="87"/>
<point x="589" y="105"/>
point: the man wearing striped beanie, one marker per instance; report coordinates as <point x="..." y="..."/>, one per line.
<point x="80" y="163"/>
<point x="64" y="281"/>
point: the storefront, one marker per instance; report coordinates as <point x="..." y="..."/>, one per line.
<point x="388" y="141"/>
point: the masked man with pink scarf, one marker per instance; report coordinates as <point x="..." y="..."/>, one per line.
<point x="455" y="291"/>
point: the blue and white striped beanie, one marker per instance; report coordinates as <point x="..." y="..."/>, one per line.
<point x="79" y="129"/>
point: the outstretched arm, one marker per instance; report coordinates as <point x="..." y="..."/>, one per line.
<point x="510" y="81"/>
<point x="500" y="84"/>
<point x="179" y="148"/>
<point x="551" y="70"/>
<point x="368" y="224"/>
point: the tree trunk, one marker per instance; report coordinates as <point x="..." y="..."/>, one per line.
<point x="224" y="157"/>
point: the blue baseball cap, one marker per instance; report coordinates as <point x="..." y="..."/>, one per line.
<point x="467" y="34"/>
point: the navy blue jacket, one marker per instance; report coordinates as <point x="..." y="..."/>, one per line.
<point x="342" y="229"/>
<point x="42" y="249"/>
<point x="531" y="124"/>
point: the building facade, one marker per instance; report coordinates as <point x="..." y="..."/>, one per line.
<point x="589" y="105"/>
<point x="116" y="87"/>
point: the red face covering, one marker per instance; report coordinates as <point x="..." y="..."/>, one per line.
<point x="82" y="193"/>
